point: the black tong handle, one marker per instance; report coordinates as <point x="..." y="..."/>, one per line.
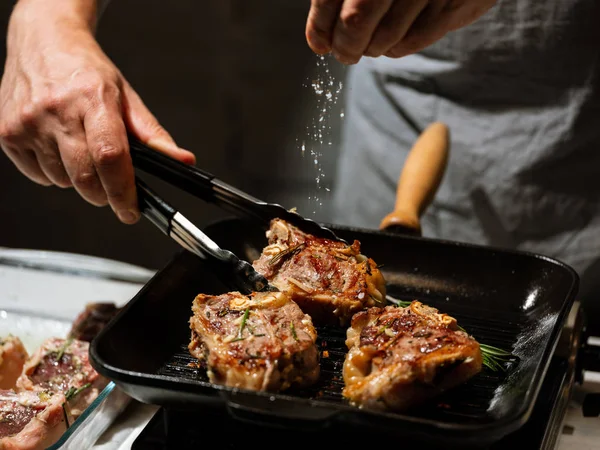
<point x="193" y="180"/>
<point x="212" y="190"/>
<point x="234" y="272"/>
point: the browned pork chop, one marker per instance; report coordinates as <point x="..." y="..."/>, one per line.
<point x="12" y="358"/>
<point x="329" y="280"/>
<point x="261" y="342"/>
<point x="62" y="366"/>
<point x="399" y="357"/>
<point x="30" y="420"/>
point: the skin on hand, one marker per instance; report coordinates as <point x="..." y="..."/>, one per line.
<point x="351" y="29"/>
<point x="65" y="110"/>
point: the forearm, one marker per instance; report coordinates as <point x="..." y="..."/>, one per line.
<point x="82" y="14"/>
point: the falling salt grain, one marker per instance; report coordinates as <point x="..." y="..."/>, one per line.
<point x="327" y="91"/>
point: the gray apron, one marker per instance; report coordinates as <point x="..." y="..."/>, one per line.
<point x="520" y="92"/>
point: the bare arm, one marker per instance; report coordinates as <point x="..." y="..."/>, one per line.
<point x="65" y="108"/>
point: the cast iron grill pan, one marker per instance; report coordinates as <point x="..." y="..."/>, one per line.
<point x="514" y="301"/>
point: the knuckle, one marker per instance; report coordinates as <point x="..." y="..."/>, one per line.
<point x="9" y="132"/>
<point x="52" y="102"/>
<point x="108" y="155"/>
<point x="86" y="179"/>
<point x="94" y="86"/>
<point x="29" y="114"/>
<point x="359" y="17"/>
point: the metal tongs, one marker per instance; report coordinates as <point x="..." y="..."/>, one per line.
<point x="239" y="274"/>
<point x="207" y="187"/>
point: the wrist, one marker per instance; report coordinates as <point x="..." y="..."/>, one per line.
<point x="73" y="14"/>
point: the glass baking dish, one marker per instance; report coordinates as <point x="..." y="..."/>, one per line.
<point x="40" y="295"/>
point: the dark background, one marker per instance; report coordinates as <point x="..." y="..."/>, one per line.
<point x="227" y="78"/>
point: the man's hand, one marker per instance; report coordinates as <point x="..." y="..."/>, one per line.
<point x="65" y="108"/>
<point x="351" y="29"/>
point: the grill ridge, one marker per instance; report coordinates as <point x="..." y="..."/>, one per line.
<point x="470" y="401"/>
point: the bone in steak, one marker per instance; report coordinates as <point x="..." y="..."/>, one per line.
<point x="399" y="357"/>
<point x="12" y="358"/>
<point x="30" y="420"/>
<point x="329" y="280"/>
<point x="62" y="366"/>
<point x="261" y="341"/>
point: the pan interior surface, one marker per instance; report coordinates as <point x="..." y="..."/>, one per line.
<point x="517" y="302"/>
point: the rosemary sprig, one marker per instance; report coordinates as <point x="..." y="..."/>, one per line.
<point x="293" y="329"/>
<point x="243" y="324"/>
<point x="289" y="252"/>
<point x="399" y="303"/>
<point x="63" y="349"/>
<point x="493" y="357"/>
<point x="66" y="416"/>
<point x="73" y="391"/>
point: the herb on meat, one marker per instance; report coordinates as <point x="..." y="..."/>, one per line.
<point x="376" y="300"/>
<point x="243" y="324"/>
<point x="72" y="392"/>
<point x="293" y="329"/>
<point x="287" y="253"/>
<point x="63" y="349"/>
<point x="494" y="358"/>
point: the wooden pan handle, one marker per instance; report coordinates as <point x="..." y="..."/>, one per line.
<point x="420" y="178"/>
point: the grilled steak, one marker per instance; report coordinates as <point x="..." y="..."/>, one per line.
<point x="261" y="342"/>
<point x="91" y="320"/>
<point x="30" y="420"/>
<point x="12" y="358"/>
<point x="329" y="280"/>
<point x="62" y="366"/>
<point x="399" y="357"/>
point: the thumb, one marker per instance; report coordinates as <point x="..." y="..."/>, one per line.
<point x="142" y="123"/>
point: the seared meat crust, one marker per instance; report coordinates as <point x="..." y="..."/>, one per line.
<point x="261" y="341"/>
<point x="329" y="280"/>
<point x="400" y="357"/>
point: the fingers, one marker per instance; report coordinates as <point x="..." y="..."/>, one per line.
<point x="394" y="28"/>
<point x="435" y="21"/>
<point x="49" y="160"/>
<point x="431" y="25"/>
<point x="146" y="127"/>
<point x="26" y="162"/>
<point x="354" y="29"/>
<point x="107" y="144"/>
<point x="80" y="168"/>
<point x="396" y="23"/>
<point x="322" y="18"/>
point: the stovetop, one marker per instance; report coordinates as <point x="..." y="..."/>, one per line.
<point x="185" y="430"/>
